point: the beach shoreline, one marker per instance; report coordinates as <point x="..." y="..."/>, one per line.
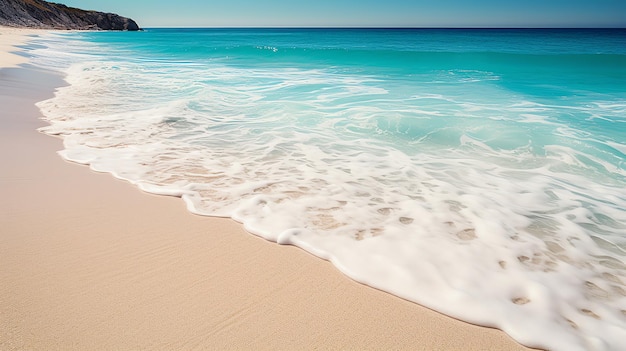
<point x="90" y="262"/>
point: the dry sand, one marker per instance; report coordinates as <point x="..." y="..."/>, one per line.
<point x="88" y="262"/>
<point x="9" y="38"/>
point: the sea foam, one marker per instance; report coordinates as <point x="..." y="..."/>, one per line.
<point x="446" y="187"/>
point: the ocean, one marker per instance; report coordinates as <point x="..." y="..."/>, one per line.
<point x="480" y="173"/>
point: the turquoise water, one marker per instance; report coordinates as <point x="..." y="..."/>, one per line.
<point x="477" y="172"/>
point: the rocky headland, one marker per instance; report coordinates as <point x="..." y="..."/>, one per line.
<point x="48" y="15"/>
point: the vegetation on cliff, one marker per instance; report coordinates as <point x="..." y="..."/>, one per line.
<point x="48" y="15"/>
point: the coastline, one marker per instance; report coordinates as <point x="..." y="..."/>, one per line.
<point x="90" y="262"/>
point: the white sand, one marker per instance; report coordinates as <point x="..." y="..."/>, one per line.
<point x="9" y="38"/>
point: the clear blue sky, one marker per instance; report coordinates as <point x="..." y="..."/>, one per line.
<point x="363" y="13"/>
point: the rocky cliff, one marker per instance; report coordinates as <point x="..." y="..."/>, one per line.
<point x="43" y="14"/>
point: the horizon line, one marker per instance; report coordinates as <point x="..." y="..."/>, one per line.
<point x="368" y="27"/>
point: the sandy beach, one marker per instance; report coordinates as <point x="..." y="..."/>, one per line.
<point x="89" y="262"/>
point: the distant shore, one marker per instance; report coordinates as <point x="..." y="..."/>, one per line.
<point x="88" y="262"/>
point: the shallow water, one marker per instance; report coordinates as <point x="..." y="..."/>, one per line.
<point x="477" y="172"/>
